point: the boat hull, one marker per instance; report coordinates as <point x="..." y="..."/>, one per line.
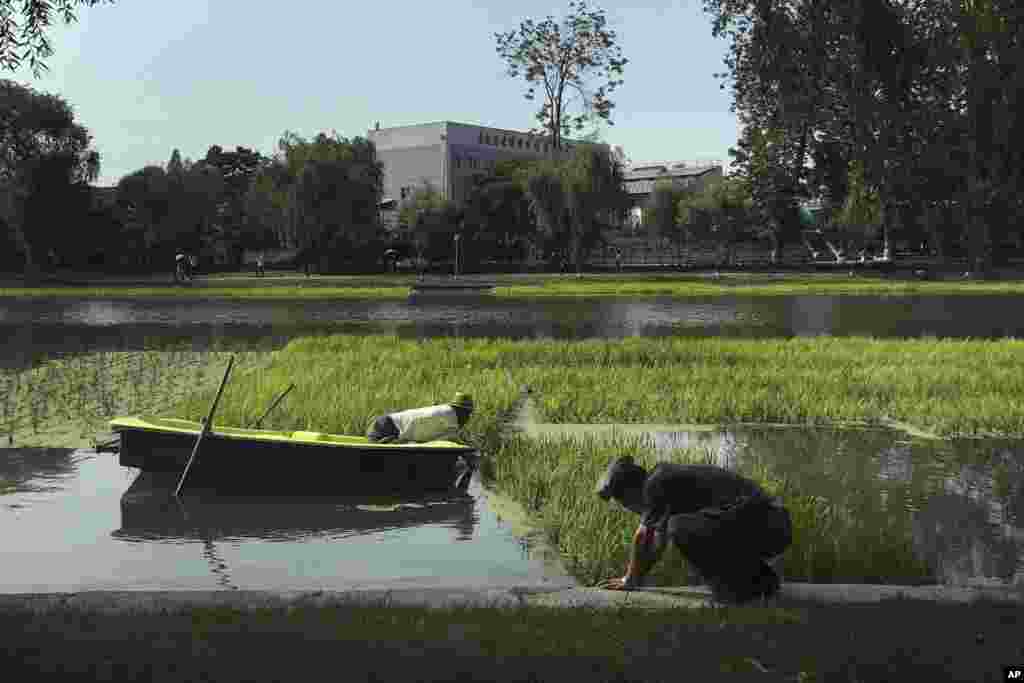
<point x="248" y="461"/>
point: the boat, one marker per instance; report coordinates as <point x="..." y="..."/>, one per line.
<point x="262" y="460"/>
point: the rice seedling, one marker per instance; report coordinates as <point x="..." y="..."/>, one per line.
<point x="82" y="392"/>
<point x="342" y="382"/>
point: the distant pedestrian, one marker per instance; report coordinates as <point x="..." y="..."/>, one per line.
<point x="259" y="265"/>
<point x="618" y="259"/>
<point x="179" y="266"/>
<point x="193" y="266"/>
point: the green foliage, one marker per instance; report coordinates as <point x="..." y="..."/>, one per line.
<point x="45" y="162"/>
<point x="319" y="195"/>
<point x="36" y="16"/>
<point x="921" y="95"/>
<point x="575" y="198"/>
<point x="562" y="58"/>
<point x="433" y="219"/>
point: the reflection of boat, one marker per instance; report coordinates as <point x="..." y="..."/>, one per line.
<point x="269" y="460"/>
<point x="149" y="511"/>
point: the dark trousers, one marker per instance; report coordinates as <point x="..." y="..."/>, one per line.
<point x="729" y="546"/>
<point x="383" y="429"/>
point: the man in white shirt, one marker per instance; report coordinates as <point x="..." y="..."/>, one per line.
<point x="419" y="425"/>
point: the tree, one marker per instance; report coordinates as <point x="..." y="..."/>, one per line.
<point x="42" y="151"/>
<point x="147" y="192"/>
<point x="577" y="198"/>
<point x="433" y="220"/>
<point x="353" y="174"/>
<point x="662" y="211"/>
<point x="562" y="59"/>
<point x="30" y="33"/>
<point x="497" y="211"/>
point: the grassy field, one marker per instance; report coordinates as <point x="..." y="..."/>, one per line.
<point x="294" y="286"/>
<point x="799" y="644"/>
<point x="950" y="387"/>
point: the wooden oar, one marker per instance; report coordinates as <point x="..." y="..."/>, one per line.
<point x="206" y="427"/>
<point x="257" y="423"/>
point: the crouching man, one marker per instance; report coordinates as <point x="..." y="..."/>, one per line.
<point x="725" y="526"/>
<point x="418" y="425"/>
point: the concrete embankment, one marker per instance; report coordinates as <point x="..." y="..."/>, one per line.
<point x="157" y="602"/>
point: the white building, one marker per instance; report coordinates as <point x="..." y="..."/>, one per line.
<point x="448" y="156"/>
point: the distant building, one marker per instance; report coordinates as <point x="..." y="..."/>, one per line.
<point x="449" y="156"/>
<point x="641" y="179"/>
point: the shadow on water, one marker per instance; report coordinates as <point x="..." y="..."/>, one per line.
<point x="150" y="512"/>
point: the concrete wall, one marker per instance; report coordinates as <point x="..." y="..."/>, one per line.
<point x="449" y="154"/>
<point x="408" y="168"/>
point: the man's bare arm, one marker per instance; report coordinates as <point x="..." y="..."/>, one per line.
<point x="645" y="552"/>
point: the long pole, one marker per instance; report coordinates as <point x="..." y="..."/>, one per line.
<point x="273" y="405"/>
<point x="206" y="427"/>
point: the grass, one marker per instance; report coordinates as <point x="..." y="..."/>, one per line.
<point x="952" y="387"/>
<point x="518" y="286"/>
<point x="948" y="387"/>
<point x="800" y="643"/>
<point x="66" y="402"/>
<point x="554" y="480"/>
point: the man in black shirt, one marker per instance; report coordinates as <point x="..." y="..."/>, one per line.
<point x="725" y="526"/>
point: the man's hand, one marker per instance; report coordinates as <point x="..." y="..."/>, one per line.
<point x="624" y="583"/>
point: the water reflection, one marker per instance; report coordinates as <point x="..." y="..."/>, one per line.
<point x="24" y="470"/>
<point x="84" y="533"/>
<point x="62" y="324"/>
<point x="150" y="512"/>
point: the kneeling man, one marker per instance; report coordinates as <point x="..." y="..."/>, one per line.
<point x="418" y="425"/>
<point x="725" y="526"/>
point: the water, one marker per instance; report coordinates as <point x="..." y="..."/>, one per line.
<point x="75" y="522"/>
<point x="62" y="326"/>
<point x="67" y="525"/>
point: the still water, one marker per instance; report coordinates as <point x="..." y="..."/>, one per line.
<point x="67" y="325"/>
<point x="74" y="521"/>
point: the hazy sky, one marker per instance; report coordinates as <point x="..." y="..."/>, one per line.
<point x="148" y="76"/>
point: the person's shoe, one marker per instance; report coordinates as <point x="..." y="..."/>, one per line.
<point x="764" y="585"/>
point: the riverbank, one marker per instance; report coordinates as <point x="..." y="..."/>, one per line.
<point x="250" y="637"/>
<point x="295" y="286"/>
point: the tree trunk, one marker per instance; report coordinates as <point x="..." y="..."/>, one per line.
<point x="977" y="225"/>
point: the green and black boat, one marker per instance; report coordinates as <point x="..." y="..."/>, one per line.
<point x="262" y="459"/>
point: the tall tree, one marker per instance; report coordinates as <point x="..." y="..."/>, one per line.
<point x="30" y="32"/>
<point x="352" y="171"/>
<point x="41" y="146"/>
<point x="577" y="198"/>
<point x="565" y="59"/>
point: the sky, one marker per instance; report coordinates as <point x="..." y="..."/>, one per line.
<point x="147" y="77"/>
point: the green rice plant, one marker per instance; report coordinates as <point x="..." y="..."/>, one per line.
<point x="343" y="381"/>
